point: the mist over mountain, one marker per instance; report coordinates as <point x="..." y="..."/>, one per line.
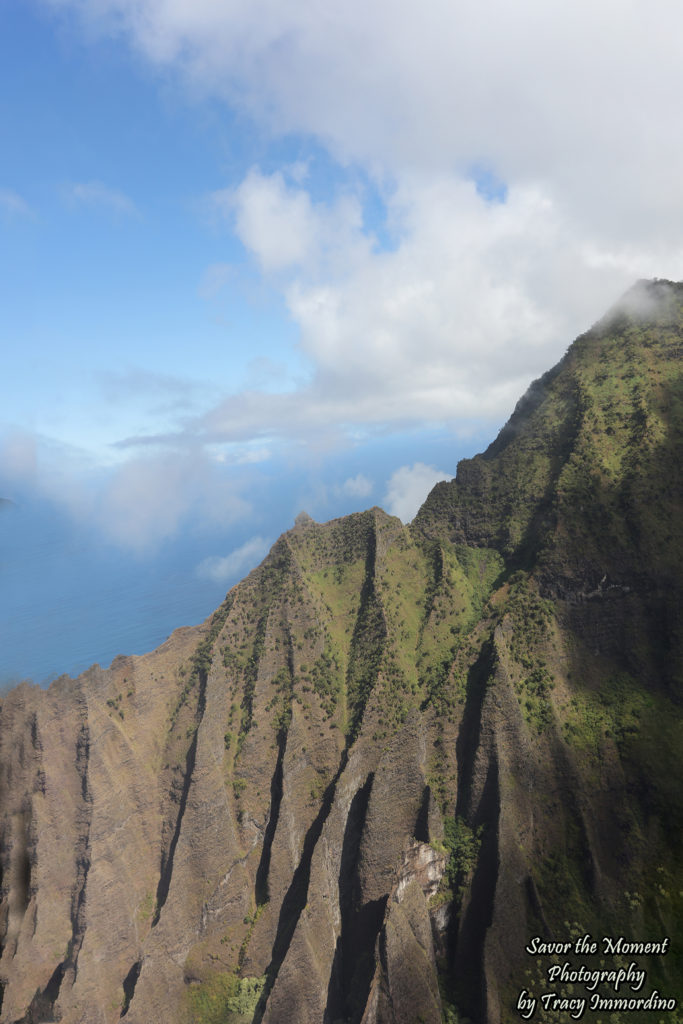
<point x="395" y="755"/>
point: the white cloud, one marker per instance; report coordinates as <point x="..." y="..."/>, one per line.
<point x="14" y="205"/>
<point x="276" y="224"/>
<point x="136" y="504"/>
<point x="94" y="193"/>
<point x="475" y="300"/>
<point x="214" y="280"/>
<point x="231" y="567"/>
<point x="243" y="455"/>
<point x="408" y="487"/>
<point x="359" y="486"/>
<point x="583" y="94"/>
<point x="284" y="229"/>
<point x="18" y="456"/>
<point x="573" y="107"/>
<point x="148" y="499"/>
<point x="153" y="388"/>
<point x="252" y="456"/>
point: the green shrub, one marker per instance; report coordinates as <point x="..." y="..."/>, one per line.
<point x="462" y="843"/>
<point x="224" y="999"/>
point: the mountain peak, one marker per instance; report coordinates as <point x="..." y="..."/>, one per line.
<point x="654" y="300"/>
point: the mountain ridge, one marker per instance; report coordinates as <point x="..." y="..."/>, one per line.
<point x="393" y="754"/>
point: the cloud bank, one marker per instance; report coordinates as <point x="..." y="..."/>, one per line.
<point x="501" y="173"/>
<point x="137" y="504"/>
<point x="408" y="488"/>
<point x="584" y="95"/>
<point x="572" y="110"/>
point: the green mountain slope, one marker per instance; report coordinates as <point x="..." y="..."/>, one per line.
<point x="394" y="755"/>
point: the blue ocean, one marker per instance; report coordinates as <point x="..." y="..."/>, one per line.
<point x="67" y="600"/>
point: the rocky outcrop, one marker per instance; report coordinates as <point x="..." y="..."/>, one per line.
<point x="391" y="756"/>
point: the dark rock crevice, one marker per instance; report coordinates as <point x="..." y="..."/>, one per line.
<point x="36" y="742"/>
<point x="167" y="856"/>
<point x="297" y="893"/>
<point x="83" y="853"/>
<point x="250" y="677"/>
<point x="4" y="893"/>
<point x="470" y="728"/>
<point x="22" y="871"/>
<point x="367" y="643"/>
<point x="353" y="964"/>
<point x="166" y="871"/>
<point x="42" y="1006"/>
<point x="276" y="788"/>
<point x="421" y="830"/>
<point x="469" y="977"/>
<point x="129" y="983"/>
<point x="19" y="840"/>
<point x="263" y="870"/>
<point x="434" y="561"/>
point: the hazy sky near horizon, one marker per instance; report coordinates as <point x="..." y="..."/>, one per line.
<point x="244" y="241"/>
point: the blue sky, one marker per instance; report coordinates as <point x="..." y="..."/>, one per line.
<point x="261" y="256"/>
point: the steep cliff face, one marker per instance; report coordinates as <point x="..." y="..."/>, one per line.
<point x="393" y="754"/>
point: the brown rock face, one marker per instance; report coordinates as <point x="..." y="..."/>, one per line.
<point x="391" y="757"/>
